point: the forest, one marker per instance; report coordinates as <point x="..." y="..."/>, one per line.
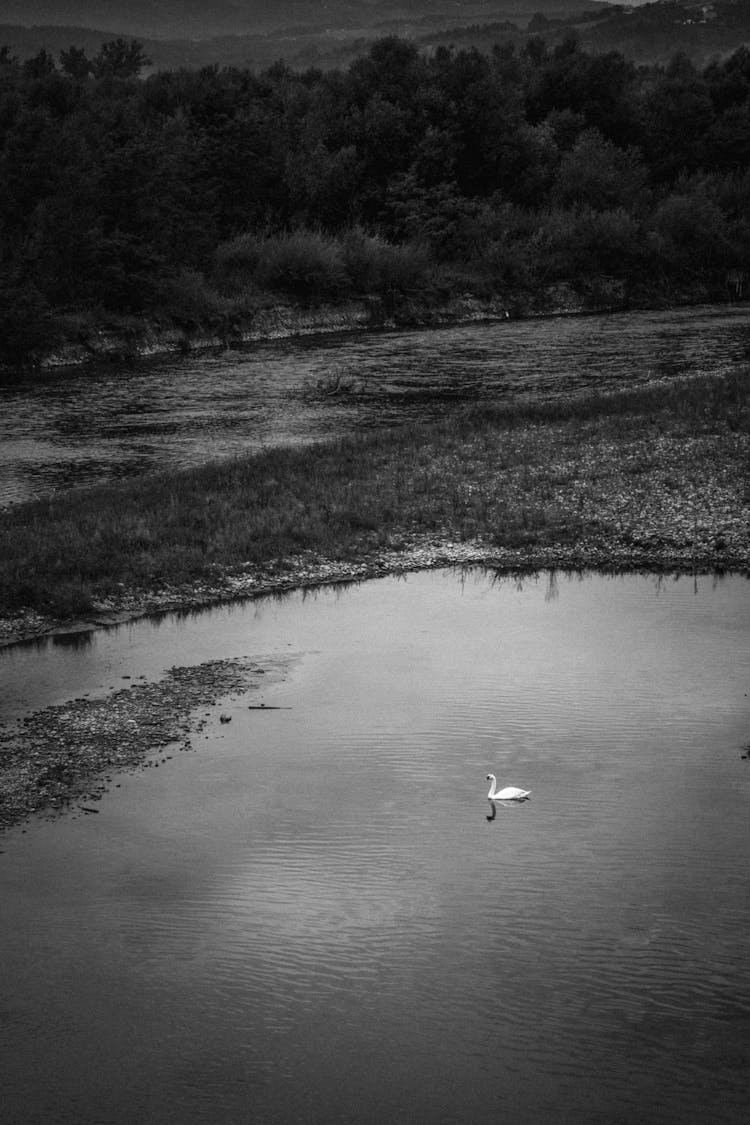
<point x="194" y="198"/>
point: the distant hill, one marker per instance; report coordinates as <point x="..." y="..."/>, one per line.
<point x="139" y="17"/>
<point x="256" y="33"/>
<point x="202" y="19"/>
<point x="331" y="34"/>
<point x="653" y="32"/>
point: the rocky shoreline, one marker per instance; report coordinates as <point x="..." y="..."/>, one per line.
<point x="63" y="758"/>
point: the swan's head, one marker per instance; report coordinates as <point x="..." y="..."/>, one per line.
<point x="490" y="777"/>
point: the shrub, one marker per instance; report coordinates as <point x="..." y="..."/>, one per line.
<point x="71" y="599"/>
<point x="690" y="234"/>
<point x="376" y="266"/>
<point x="607" y="241"/>
<point x="575" y="243"/>
<point x="190" y="301"/>
<point x="303" y="264"/>
<point x="27" y="326"/>
<point x="237" y="261"/>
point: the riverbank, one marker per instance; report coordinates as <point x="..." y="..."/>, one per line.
<point x="86" y="339"/>
<point x="128" y="340"/>
<point x="650" y="478"/>
<point x="133" y="339"/>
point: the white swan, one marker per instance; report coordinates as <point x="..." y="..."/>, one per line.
<point x="509" y="794"/>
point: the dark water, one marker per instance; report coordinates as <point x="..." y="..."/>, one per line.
<point x="64" y="430"/>
<point x="313" y="920"/>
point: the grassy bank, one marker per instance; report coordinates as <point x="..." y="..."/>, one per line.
<point x="657" y="476"/>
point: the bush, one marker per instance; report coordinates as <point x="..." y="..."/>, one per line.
<point x="27" y="326"/>
<point x="376" y="266"/>
<point x="303" y="264"/>
<point x="607" y="242"/>
<point x="191" y="302"/>
<point x="690" y="235"/>
<point x="69" y="599"/>
<point x="237" y="261"/>
<point x="574" y="244"/>
<point x="307" y="265"/>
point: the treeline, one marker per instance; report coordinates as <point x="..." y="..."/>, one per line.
<point x="192" y="198"/>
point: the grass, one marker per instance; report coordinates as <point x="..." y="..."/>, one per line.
<point x="654" y="472"/>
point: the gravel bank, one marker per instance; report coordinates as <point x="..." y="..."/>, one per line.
<point x="65" y="757"/>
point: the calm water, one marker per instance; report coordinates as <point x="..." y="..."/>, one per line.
<point x="80" y="428"/>
<point x="313" y="919"/>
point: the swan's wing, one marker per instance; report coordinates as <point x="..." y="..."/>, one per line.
<point x="512" y="794"/>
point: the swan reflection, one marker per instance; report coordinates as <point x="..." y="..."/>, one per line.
<point x="512" y="804"/>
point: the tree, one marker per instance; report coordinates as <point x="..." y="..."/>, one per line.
<point x="40" y="66"/>
<point x="691" y="236"/>
<point x="454" y="228"/>
<point x="599" y="87"/>
<point x="321" y="185"/>
<point x="597" y="174"/>
<point x="677" y="114"/>
<point x="730" y="79"/>
<point x="392" y="69"/>
<point x="75" y="63"/>
<point x="727" y="142"/>
<point x="120" y="59"/>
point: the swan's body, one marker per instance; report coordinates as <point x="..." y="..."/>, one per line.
<point x="510" y="793"/>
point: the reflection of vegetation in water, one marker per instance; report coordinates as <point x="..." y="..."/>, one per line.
<point x="653" y="473"/>
<point x="81" y="639"/>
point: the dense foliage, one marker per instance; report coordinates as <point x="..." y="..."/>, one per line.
<point x="191" y="196"/>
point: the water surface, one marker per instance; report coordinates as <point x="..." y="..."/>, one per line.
<point x="79" y="428"/>
<point x="313" y="919"/>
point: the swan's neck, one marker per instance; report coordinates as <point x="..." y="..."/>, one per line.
<point x="493" y="787"/>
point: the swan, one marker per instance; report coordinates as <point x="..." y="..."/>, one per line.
<point x="508" y="794"/>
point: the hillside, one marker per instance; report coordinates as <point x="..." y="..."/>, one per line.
<point x="157" y="18"/>
<point x="203" y="19"/>
<point x="654" y="32"/>
<point x="304" y="33"/>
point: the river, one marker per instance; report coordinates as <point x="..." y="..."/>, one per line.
<point x="62" y="430"/>
<point x="319" y="916"/>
